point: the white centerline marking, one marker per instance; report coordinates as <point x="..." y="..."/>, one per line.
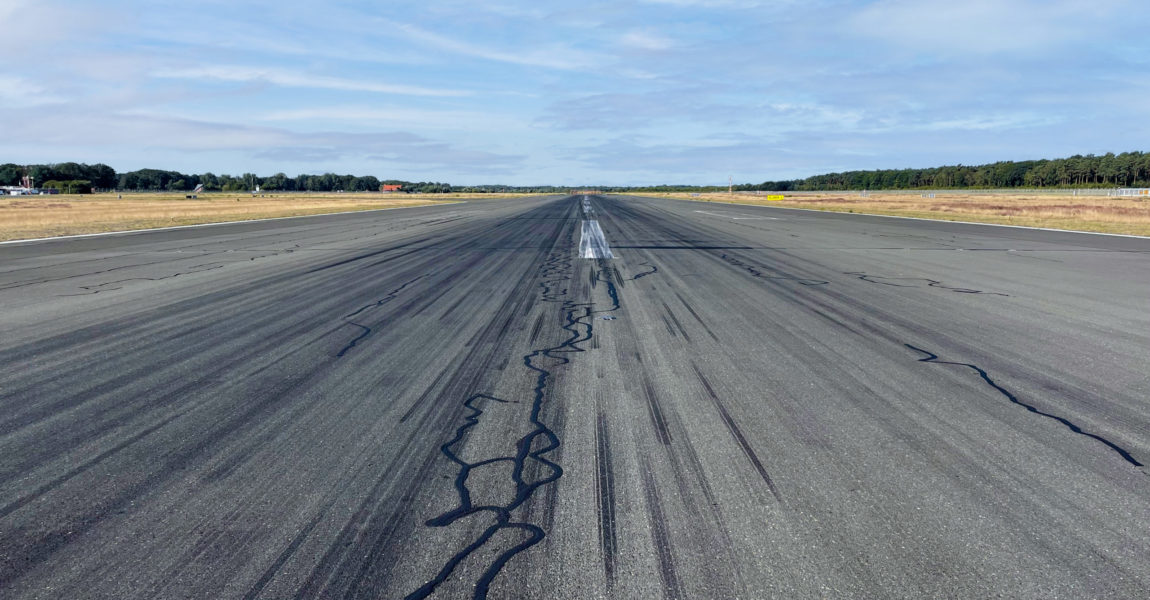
<point x="592" y="243"/>
<point x="740" y="217"/>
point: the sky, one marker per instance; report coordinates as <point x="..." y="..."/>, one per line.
<point x="592" y="92"/>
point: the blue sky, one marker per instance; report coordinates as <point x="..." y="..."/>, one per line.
<point x="569" y="93"/>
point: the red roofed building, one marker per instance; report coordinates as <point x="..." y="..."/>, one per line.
<point x="388" y="187"/>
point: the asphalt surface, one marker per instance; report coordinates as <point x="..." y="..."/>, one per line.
<point x="449" y="402"/>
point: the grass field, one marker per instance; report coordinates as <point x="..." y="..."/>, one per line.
<point x="1082" y="213"/>
<point x="25" y="217"/>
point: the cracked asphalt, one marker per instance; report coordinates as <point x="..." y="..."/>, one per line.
<point x="449" y="402"/>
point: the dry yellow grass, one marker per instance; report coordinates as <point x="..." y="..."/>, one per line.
<point x="1078" y="213"/>
<point x="25" y="217"/>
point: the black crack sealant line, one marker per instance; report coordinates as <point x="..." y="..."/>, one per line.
<point x="100" y="287"/>
<point x="578" y="322"/>
<point x="929" y="283"/>
<point x="759" y="273"/>
<point x="365" y="330"/>
<point x="25" y="283"/>
<point x="933" y="358"/>
<point x="653" y="270"/>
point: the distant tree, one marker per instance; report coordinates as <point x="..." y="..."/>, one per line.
<point x="232" y="184"/>
<point x="210" y="182"/>
<point x="72" y="186"/>
<point x="365" y="184"/>
<point x="275" y="182"/>
<point x="10" y="174"/>
<point x="102" y="176"/>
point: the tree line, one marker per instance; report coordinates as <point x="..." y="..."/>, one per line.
<point x="1128" y="169"/>
<point x="97" y="176"/>
<point x="101" y="177"/>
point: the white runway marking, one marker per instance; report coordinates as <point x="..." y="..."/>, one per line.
<point x="592" y="244"/>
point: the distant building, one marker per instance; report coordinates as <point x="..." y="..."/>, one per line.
<point x="1144" y="192"/>
<point x="390" y="188"/>
<point x="13" y="190"/>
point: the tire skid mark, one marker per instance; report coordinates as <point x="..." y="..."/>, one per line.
<point x="87" y="465"/>
<point x="450" y="310"/>
<point x="535" y="329"/>
<point x="422" y="302"/>
<point x="377" y="520"/>
<point x="929" y="282"/>
<point x="361" y="585"/>
<point x="931" y="357"/>
<point x="394" y="258"/>
<point x="705" y="522"/>
<point x="705" y="535"/>
<point x="185" y="249"/>
<point x="814" y="304"/>
<point x="605" y="493"/>
<point x="670" y="313"/>
<point x="179" y="458"/>
<point x="369" y="255"/>
<point x="505" y="325"/>
<point x="286" y="554"/>
<point x="660" y="537"/>
<point x="696" y="316"/>
<point x="121" y="378"/>
<point x="557" y="273"/>
<point x="655" y="411"/>
<point x="47" y="544"/>
<point x="57" y="343"/>
<point x="835" y="321"/>
<point x="423" y="397"/>
<point x="889" y="318"/>
<point x="370" y="534"/>
<point x="737" y="433"/>
<point x="365" y="330"/>
<point x="362" y="519"/>
<point x="201" y="253"/>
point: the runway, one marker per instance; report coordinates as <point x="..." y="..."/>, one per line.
<point x="720" y="401"/>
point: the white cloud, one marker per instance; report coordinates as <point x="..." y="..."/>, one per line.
<point x="18" y="92"/>
<point x="423" y="119"/>
<point x="285" y="78"/>
<point x="33" y="30"/>
<point x="739" y="4"/>
<point x="9" y="8"/>
<point x="554" y="57"/>
<point x="983" y="26"/>
<point x="988" y="123"/>
<point x="643" y="40"/>
<point x="151" y="135"/>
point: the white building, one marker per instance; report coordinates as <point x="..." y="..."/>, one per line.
<point x="15" y="190"/>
